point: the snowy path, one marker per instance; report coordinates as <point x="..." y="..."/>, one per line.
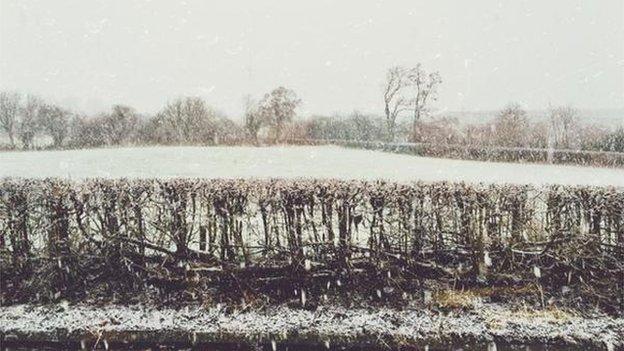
<point x="288" y="162"/>
<point x="330" y="325"/>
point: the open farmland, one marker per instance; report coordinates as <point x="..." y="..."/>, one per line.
<point x="410" y="175"/>
<point x="288" y="162"/>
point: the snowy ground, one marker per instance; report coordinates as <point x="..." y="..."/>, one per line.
<point x="487" y="325"/>
<point x="288" y="162"/>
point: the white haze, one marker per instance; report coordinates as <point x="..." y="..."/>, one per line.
<point x="90" y="54"/>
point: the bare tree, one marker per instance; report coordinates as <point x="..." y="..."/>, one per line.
<point x="119" y="125"/>
<point x="512" y="126"/>
<point x="253" y="119"/>
<point x="278" y="108"/>
<point x="9" y="110"/>
<point x="425" y="87"/>
<point x="55" y="121"/>
<point x="29" y="121"/>
<point x="229" y="132"/>
<point x="86" y="132"/>
<point x="188" y="120"/>
<point x="394" y="101"/>
<point x="563" y="128"/>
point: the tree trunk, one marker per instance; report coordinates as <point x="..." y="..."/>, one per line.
<point x="391" y="124"/>
<point x="415" y="123"/>
<point x="11" y="137"/>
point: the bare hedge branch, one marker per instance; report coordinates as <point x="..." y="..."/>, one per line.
<point x="67" y="239"/>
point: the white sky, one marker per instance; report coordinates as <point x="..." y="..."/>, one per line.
<point x="90" y="54"/>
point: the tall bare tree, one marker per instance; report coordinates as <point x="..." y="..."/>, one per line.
<point x="253" y="119"/>
<point x="119" y="125"/>
<point x="277" y="108"/>
<point x="9" y="110"/>
<point x="394" y="101"/>
<point x="55" y="121"/>
<point x="563" y="128"/>
<point x="425" y="88"/>
<point x="29" y="120"/>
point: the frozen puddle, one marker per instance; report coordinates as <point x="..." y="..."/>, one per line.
<point x="288" y="162"/>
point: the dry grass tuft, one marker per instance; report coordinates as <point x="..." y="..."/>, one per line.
<point x="456" y="299"/>
<point x="550" y="313"/>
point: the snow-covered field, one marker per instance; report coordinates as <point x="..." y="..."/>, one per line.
<point x="287" y="162"/>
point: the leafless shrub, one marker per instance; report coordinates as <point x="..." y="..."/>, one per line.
<point x="512" y="126"/>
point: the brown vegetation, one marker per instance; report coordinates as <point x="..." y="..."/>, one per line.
<point x="228" y="239"/>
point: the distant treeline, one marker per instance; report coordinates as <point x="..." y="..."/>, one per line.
<point x="27" y="119"/>
<point x="480" y="153"/>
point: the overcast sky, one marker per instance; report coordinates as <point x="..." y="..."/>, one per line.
<point x="334" y="54"/>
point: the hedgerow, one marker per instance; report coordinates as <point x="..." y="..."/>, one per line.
<point x="484" y="153"/>
<point x="231" y="239"/>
